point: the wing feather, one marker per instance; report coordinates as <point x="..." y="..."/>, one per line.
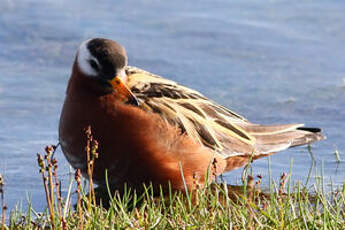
<point x="208" y="123"/>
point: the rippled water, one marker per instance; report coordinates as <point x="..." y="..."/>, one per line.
<point x="272" y="61"/>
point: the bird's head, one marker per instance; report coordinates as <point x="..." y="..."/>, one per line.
<point x="104" y="61"/>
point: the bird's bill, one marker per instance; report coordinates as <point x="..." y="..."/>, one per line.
<point x="122" y="90"/>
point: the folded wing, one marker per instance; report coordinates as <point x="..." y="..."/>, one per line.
<point x="210" y="124"/>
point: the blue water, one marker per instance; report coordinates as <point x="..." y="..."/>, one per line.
<point x="272" y="61"/>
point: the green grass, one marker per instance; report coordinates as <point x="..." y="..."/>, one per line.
<point x="216" y="206"/>
<point x="206" y="208"/>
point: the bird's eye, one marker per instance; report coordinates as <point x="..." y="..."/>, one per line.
<point x="94" y="65"/>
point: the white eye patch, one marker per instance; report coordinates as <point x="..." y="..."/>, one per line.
<point x="83" y="59"/>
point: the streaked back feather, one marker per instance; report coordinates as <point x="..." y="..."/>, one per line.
<point x="210" y="124"/>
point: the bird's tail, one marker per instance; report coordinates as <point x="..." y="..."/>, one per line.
<point x="274" y="138"/>
<point x="270" y="139"/>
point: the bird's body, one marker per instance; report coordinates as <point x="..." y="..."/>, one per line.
<point x="151" y="129"/>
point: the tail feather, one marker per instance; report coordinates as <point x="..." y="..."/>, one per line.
<point x="310" y="135"/>
<point x="310" y="129"/>
<point x="279" y="137"/>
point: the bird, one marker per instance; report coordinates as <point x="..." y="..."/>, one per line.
<point x="154" y="130"/>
